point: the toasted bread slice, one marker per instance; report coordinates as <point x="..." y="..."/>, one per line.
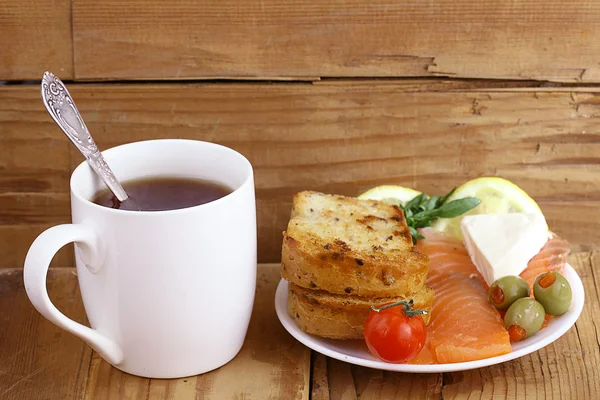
<point x="348" y="246"/>
<point x="341" y="316"/>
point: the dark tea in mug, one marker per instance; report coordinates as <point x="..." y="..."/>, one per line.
<point x="164" y="193"/>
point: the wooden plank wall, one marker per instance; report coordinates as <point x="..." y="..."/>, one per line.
<point x="181" y="39"/>
<point x="377" y="92"/>
<point x="153" y="39"/>
<point x="35" y="35"/>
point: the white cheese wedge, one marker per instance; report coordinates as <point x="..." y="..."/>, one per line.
<point x="502" y="244"/>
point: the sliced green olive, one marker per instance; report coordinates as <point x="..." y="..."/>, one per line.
<point x="553" y="291"/>
<point x="524" y="318"/>
<point x="506" y="290"/>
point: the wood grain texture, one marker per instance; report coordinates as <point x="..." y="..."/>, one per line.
<point x="35" y="167"/>
<point x="15" y="241"/>
<point x="375" y="384"/>
<point x="341" y="382"/>
<point x="40" y="361"/>
<point x="319" y="389"/>
<point x="34" y="153"/>
<point x="271" y="364"/>
<point x="350" y="382"/>
<point x="144" y="39"/>
<point x="565" y="369"/>
<point x="335" y="138"/>
<point x="37" y="359"/>
<point x="35" y="36"/>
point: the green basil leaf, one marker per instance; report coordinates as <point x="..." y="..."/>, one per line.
<point x="422" y="223"/>
<point x="425" y="215"/>
<point x="416" y="201"/>
<point x="445" y="198"/>
<point x="457" y="207"/>
<point x="421" y="211"/>
<point x="431" y="203"/>
<point x="415" y="234"/>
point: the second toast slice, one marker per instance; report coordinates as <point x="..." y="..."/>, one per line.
<point x="340" y="316"/>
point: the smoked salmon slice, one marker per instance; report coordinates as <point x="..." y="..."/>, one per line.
<point x="464" y="326"/>
<point x="552" y="257"/>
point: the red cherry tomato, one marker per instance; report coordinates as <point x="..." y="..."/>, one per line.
<point x="393" y="336"/>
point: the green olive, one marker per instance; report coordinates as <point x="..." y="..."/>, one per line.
<point x="553" y="291"/>
<point x="506" y="290"/>
<point x="524" y="318"/>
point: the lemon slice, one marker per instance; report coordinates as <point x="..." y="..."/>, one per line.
<point x="391" y="194"/>
<point x="497" y="195"/>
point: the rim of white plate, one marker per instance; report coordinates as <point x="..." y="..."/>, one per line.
<point x="334" y="348"/>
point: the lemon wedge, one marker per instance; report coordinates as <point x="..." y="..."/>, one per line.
<point x="497" y="195"/>
<point x="391" y="194"/>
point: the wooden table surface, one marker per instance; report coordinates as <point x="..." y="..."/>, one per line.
<point x="40" y="361"/>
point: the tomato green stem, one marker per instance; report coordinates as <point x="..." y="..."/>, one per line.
<point x="407" y="308"/>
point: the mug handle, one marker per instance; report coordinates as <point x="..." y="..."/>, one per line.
<point x="35" y="271"/>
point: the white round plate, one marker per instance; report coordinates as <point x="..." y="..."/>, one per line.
<point x="355" y="351"/>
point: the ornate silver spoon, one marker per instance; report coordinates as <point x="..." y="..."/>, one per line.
<point x="61" y="107"/>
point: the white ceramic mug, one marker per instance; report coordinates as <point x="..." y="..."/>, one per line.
<point x="168" y="293"/>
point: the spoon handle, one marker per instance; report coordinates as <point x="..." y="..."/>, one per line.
<point x="61" y="107"/>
